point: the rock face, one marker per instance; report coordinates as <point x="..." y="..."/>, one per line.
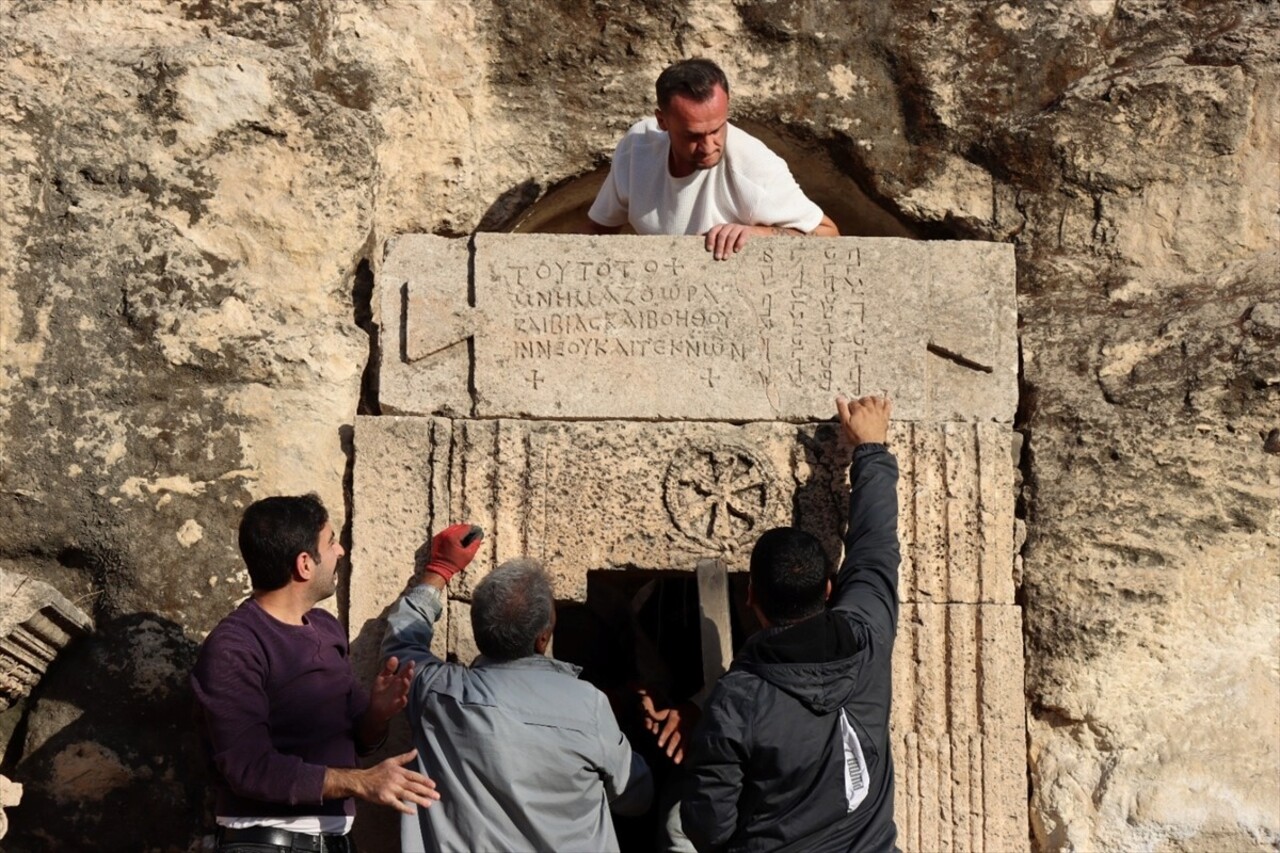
<point x="194" y="198"/>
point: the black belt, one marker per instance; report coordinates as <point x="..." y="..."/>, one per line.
<point x="286" y="840"/>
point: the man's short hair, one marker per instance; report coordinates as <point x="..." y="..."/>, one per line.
<point x="510" y="608"/>
<point x="788" y="574"/>
<point x="274" y="531"/>
<point x="695" y="79"/>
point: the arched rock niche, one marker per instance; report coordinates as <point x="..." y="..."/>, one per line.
<point x="563" y="209"/>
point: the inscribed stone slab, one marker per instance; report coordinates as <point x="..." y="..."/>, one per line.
<point x="652" y="327"/>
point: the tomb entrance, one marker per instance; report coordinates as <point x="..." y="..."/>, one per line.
<point x="627" y="411"/>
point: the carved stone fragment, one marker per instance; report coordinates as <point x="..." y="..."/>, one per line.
<point x="36" y="622"/>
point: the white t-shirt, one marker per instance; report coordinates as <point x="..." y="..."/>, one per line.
<point x="749" y="186"/>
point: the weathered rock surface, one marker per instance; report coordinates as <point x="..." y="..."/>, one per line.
<point x="10" y="795"/>
<point x="194" y="198"/>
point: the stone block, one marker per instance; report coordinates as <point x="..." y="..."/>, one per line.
<point x="422" y="299"/>
<point x="393" y="504"/>
<point x="627" y="403"/>
<point x="652" y="327"/>
<point x="586" y="496"/>
<point x="958" y="728"/>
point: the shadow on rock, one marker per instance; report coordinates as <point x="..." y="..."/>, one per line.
<point x="110" y="759"/>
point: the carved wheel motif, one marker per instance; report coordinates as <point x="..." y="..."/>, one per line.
<point x="718" y="495"/>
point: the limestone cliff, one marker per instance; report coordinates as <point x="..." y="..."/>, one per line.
<point x="194" y="203"/>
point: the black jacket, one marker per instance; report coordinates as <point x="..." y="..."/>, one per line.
<point x="772" y="765"/>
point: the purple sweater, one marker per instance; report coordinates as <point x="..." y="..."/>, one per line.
<point x="278" y="704"/>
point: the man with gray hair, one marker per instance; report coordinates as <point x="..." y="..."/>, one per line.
<point x="526" y="756"/>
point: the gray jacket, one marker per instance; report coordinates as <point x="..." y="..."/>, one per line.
<point x="525" y="756"/>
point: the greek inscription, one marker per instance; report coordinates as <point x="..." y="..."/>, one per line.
<point x="801" y="320"/>
<point x="560" y="273"/>
<point x="855" y="379"/>
<point x="600" y="347"/>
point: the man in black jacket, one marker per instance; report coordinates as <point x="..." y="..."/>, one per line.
<point x="792" y="752"/>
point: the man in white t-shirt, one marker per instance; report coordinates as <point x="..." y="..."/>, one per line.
<point x="688" y="171"/>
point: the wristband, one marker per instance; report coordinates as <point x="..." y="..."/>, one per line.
<point x="870" y="447"/>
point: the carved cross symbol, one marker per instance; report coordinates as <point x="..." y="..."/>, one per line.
<point x="721" y="495"/>
<point x="534" y="379"/>
<point x="710" y="377"/>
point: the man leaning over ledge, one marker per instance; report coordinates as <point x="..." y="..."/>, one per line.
<point x="688" y="170"/>
<point x="528" y="756"/>
<point x="281" y="713"/>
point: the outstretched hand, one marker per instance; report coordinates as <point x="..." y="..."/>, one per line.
<point x="390" y="691"/>
<point x="864" y="420"/>
<point x="387" y="783"/>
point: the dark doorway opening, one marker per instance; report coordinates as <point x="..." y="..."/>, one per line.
<point x="642" y="630"/>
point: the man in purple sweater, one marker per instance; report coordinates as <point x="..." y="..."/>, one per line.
<point x="281" y="712"/>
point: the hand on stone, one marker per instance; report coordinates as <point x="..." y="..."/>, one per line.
<point x="725" y="240"/>
<point x="865" y="420"/>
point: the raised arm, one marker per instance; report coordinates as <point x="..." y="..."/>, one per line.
<point x="411" y="624"/>
<point x="867" y="583"/>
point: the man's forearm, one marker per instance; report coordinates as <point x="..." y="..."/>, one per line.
<point x="371" y="732"/>
<point x="411" y="622"/>
<point x="872" y="551"/>
<point x="596" y="228"/>
<point x="826" y="228"/>
<point x="343" y="782"/>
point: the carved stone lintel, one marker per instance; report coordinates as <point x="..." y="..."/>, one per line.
<point x="36" y="622"/>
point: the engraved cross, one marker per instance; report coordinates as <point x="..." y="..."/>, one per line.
<point x="534" y="379"/>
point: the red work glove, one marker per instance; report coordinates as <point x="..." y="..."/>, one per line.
<point x="448" y="555"/>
